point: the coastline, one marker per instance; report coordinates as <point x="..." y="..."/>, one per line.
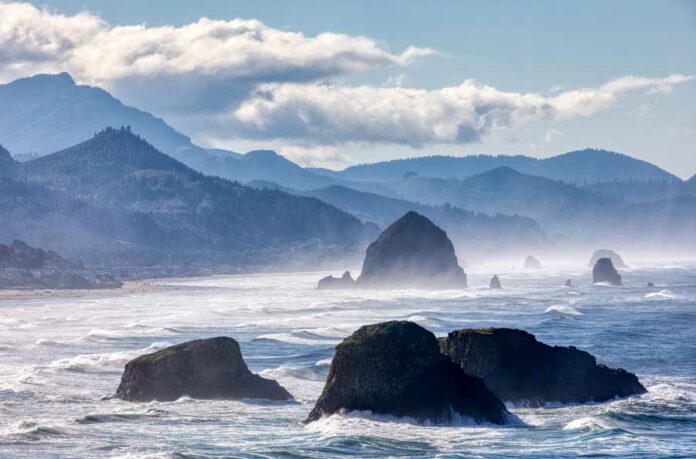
<point x="129" y="287"/>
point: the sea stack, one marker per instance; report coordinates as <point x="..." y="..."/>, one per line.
<point x="531" y="262"/>
<point x="330" y="282"/>
<point x="495" y="283"/>
<point x="606" y="253"/>
<point x="518" y="368"/>
<point x="412" y="252"/>
<point x="396" y="368"/>
<point x="205" y="368"/>
<point x="568" y="283"/>
<point x="604" y="271"/>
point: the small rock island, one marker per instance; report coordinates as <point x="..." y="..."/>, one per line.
<point x="518" y="368"/>
<point x="396" y="368"/>
<point x="206" y="368"/>
<point x="495" y="283"/>
<point x="531" y="262"/>
<point x="330" y="282"/>
<point x="604" y="271"/>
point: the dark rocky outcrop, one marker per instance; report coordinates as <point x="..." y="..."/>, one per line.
<point x="531" y="262"/>
<point x="605" y="253"/>
<point x="24" y="266"/>
<point x="396" y="368"/>
<point x="412" y="252"/>
<point x="330" y="282"/>
<point x="495" y="283"/>
<point x="604" y="271"/>
<point x="650" y="285"/>
<point x="205" y="368"/>
<point x="518" y="368"/>
<point x="568" y="283"/>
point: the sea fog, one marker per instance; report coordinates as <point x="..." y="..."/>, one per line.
<point x="61" y="360"/>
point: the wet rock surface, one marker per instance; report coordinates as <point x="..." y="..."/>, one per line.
<point x="396" y="368"/>
<point x="206" y="369"/>
<point x="518" y="368"/>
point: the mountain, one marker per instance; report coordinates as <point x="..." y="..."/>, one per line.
<point x="504" y="190"/>
<point x="473" y="234"/>
<point x="47" y="113"/>
<point x="578" y="167"/>
<point x="116" y="200"/>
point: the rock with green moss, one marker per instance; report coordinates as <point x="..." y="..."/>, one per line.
<point x="518" y="368"/>
<point x="396" y="368"/>
<point x="206" y="369"/>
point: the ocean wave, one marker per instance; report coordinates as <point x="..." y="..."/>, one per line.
<point x="107" y="362"/>
<point x="99" y="418"/>
<point x="564" y="309"/>
<point x="325" y="335"/>
<point x="662" y="295"/>
<point x="365" y="419"/>
<point x="311" y="373"/>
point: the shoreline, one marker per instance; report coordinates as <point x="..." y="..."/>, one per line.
<point x="129" y="287"/>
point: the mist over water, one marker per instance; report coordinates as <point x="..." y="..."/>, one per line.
<point x="61" y="359"/>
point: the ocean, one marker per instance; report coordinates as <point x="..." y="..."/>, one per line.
<point x="61" y="361"/>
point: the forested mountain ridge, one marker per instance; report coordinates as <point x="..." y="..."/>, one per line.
<point x="130" y="203"/>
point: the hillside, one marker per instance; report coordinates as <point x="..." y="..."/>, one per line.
<point x="47" y="113"/>
<point x="578" y="167"/>
<point x="116" y="199"/>
<point x="474" y="234"/>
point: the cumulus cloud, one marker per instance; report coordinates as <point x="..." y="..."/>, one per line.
<point x="333" y="114"/>
<point x="200" y="58"/>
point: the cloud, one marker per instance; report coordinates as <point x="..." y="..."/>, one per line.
<point x="198" y="59"/>
<point x="329" y="114"/>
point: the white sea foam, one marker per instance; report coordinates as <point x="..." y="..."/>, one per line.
<point x="564" y="309"/>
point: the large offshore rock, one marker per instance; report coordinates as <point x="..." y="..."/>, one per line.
<point x="205" y="368"/>
<point x="531" y="262"/>
<point x="518" y="368"/>
<point x="604" y="271"/>
<point x="615" y="258"/>
<point x="396" y="368"/>
<point x="412" y="252"/>
<point x="330" y="282"/>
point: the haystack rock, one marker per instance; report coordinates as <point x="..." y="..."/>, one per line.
<point x="412" y="252"/>
<point x="531" y="262"/>
<point x="518" y="368"/>
<point x="495" y="283"/>
<point x="206" y="369"/>
<point x="605" y="253"/>
<point x="330" y="282"/>
<point x="396" y="368"/>
<point x="604" y="271"/>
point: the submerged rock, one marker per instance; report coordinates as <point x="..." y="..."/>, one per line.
<point x="495" y="283"/>
<point x="532" y="262"/>
<point x="518" y="368"/>
<point x="205" y="368"/>
<point x="650" y="285"/>
<point x="606" y="253"/>
<point x="568" y="283"/>
<point x="412" y="252"/>
<point x="604" y="271"/>
<point x="396" y="368"/>
<point x="330" y="282"/>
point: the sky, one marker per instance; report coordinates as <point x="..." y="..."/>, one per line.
<point x="337" y="83"/>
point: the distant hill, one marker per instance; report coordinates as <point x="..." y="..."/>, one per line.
<point x="578" y="167"/>
<point x="644" y="191"/>
<point x="47" y="113"/>
<point x="504" y="190"/>
<point x="474" y="234"/>
<point x="115" y="199"/>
